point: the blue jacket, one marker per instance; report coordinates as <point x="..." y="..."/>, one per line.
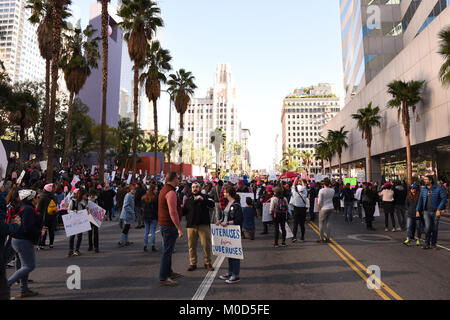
<point x="127" y="213"/>
<point x="437" y="195"/>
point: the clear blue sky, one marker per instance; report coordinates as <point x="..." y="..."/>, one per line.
<point x="273" y="47"/>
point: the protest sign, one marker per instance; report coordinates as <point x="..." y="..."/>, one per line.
<point x="123" y="174"/>
<point x="75" y="180"/>
<point x="289" y="233"/>
<point x="243" y="197"/>
<point x="145" y="180"/>
<point x="318" y="177"/>
<point x="106" y="177"/>
<point x="76" y="222"/>
<point x="93" y="170"/>
<point x="266" y="217"/>
<point x="21" y="177"/>
<point x="361" y="176"/>
<point x="272" y="175"/>
<point x="113" y="175"/>
<point x="226" y="241"/>
<point x="376" y="213"/>
<point x="303" y="175"/>
<point x="97" y="213"/>
<point x="234" y="179"/>
<point x="129" y="178"/>
<point x="43" y="165"/>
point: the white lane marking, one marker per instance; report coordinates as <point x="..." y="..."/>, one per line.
<point x="444" y="222"/>
<point x="443" y="247"/>
<point x="209" y="278"/>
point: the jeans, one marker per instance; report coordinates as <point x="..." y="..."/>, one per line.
<point x="324" y="223"/>
<point x="400" y="212"/>
<point x="150" y="226"/>
<point x="280" y="222"/>
<point x="414" y="225"/>
<point x="169" y="235"/>
<point x="431" y="228"/>
<point x="234" y="267"/>
<point x="93" y="232"/>
<point x="299" y="218"/>
<point x="124" y="235"/>
<point x="348" y="211"/>
<point x="388" y="211"/>
<point x="109" y="213"/>
<point x="27" y="255"/>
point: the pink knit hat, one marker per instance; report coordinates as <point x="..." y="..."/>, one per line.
<point x="48" y="187"/>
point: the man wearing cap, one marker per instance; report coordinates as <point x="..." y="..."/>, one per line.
<point x="196" y="211"/>
<point x="48" y="208"/>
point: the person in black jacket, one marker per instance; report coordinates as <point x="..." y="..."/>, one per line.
<point x="107" y="197"/>
<point x="150" y="207"/>
<point x="369" y="199"/>
<point x="400" y="194"/>
<point x="140" y="191"/>
<point x="348" y="197"/>
<point x="196" y="210"/>
<point x="25" y="239"/>
<point x="48" y="208"/>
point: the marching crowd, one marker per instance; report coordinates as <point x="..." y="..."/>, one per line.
<point x="32" y="209"/>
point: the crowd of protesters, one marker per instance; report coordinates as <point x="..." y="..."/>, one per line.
<point x="32" y="209"/>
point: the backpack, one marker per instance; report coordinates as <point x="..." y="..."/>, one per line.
<point x="52" y="208"/>
<point x="281" y="208"/>
<point x="10" y="214"/>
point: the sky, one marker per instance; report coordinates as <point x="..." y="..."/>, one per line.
<point x="273" y="47"/>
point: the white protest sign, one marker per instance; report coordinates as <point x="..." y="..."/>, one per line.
<point x="97" y="213"/>
<point x="318" y="177"/>
<point x="289" y="233"/>
<point x="226" y="241"/>
<point x="375" y="214"/>
<point x="75" y="180"/>
<point x="361" y="176"/>
<point x="129" y="178"/>
<point x="21" y="177"/>
<point x="266" y="216"/>
<point x="76" y="222"/>
<point x="106" y="177"/>
<point x="234" y="179"/>
<point x="92" y="170"/>
<point x="140" y="171"/>
<point x="43" y="165"/>
<point x="243" y="197"/>
<point x="145" y="180"/>
<point x="113" y="175"/>
<point x="123" y="173"/>
<point x="272" y="175"/>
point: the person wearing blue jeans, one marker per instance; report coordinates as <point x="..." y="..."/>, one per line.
<point x="432" y="201"/>
<point x="150" y="211"/>
<point x="25" y="250"/>
<point x="169" y="235"/>
<point x="150" y="227"/>
<point x="347" y="196"/>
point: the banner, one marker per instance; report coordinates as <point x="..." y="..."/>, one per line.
<point x="244" y="197"/>
<point x="43" y="165"/>
<point x="266" y="216"/>
<point x="76" y="222"/>
<point x="123" y="173"/>
<point x="97" y="213"/>
<point x="129" y="178"/>
<point x="226" y="241"/>
<point x="75" y="180"/>
<point x="113" y="175"/>
<point x="21" y="177"/>
<point x="93" y="170"/>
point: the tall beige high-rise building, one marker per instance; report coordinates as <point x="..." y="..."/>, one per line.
<point x="19" y="48"/>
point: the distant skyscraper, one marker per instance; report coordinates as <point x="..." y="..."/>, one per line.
<point x="19" y="48"/>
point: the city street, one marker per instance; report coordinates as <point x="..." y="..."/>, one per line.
<point x="301" y="271"/>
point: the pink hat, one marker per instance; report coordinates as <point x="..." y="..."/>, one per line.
<point x="99" y="187"/>
<point x="48" y="187"/>
<point x="269" y="188"/>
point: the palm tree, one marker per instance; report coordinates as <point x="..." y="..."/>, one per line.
<point x="307" y="158"/>
<point x="325" y="150"/>
<point x="182" y="85"/>
<point x="406" y="95"/>
<point x="338" y="142"/>
<point x="158" y="61"/>
<point x="140" y="22"/>
<point x="367" y="118"/>
<point x="321" y="155"/>
<point x="290" y="158"/>
<point x="105" y="25"/>
<point x="444" y="50"/>
<point x="59" y="7"/>
<point x="80" y="54"/>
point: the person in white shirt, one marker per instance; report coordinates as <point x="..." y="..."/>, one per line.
<point x="326" y="209"/>
<point x="298" y="200"/>
<point x="358" y="201"/>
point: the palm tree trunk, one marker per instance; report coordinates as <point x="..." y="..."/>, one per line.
<point x="57" y="22"/>
<point x="340" y="167"/>
<point x="329" y="161"/>
<point x="136" y="111"/>
<point x="104" y="87"/>
<point x="323" y="167"/>
<point x="22" y="138"/>
<point x="68" y="127"/>
<point x="155" y="122"/>
<point x="369" y="163"/>
<point x="170" y="135"/>
<point x="408" y="159"/>
<point x="180" y="141"/>
<point x="46" y="107"/>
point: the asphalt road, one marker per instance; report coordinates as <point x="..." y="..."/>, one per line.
<point x="301" y="271"/>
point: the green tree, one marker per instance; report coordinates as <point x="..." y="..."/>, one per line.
<point x="80" y="55"/>
<point x="158" y="63"/>
<point x="368" y="118"/>
<point x="307" y="158"/>
<point x="337" y="139"/>
<point x="290" y="160"/>
<point x="182" y="86"/>
<point x="444" y="51"/>
<point x="141" y="18"/>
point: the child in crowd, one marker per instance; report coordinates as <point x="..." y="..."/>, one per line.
<point x="249" y="213"/>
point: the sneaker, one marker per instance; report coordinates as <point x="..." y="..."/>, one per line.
<point x="418" y="243"/>
<point x="386" y="229"/>
<point x="192" y="267"/>
<point x="129" y="243"/>
<point x="225" y="277"/>
<point x="294" y="240"/>
<point x="154" y="249"/>
<point x="231" y="280"/>
<point x="12" y="264"/>
<point x="121" y="244"/>
<point x="27" y="294"/>
<point x="90" y="248"/>
<point x="41" y="248"/>
<point x="426" y="248"/>
<point x="209" y="267"/>
<point x="399" y="229"/>
<point x="51" y="246"/>
<point x="77" y="253"/>
<point x="393" y="230"/>
<point x="174" y="275"/>
<point x="406" y="242"/>
<point x="275" y="245"/>
<point x="284" y="244"/>
<point x="434" y="248"/>
<point x="70" y="254"/>
<point x="168" y="283"/>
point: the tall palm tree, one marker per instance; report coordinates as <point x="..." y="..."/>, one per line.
<point x="42" y="14"/>
<point x="290" y="158"/>
<point x="140" y="21"/>
<point x="406" y="95"/>
<point x="444" y="50"/>
<point x="157" y="61"/>
<point x="80" y="53"/>
<point x="338" y="142"/>
<point x="307" y="158"/>
<point x="182" y="85"/>
<point x="105" y="25"/>
<point x="367" y="118"/>
<point x="325" y="151"/>
<point x="59" y="7"/>
<point x="321" y="155"/>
